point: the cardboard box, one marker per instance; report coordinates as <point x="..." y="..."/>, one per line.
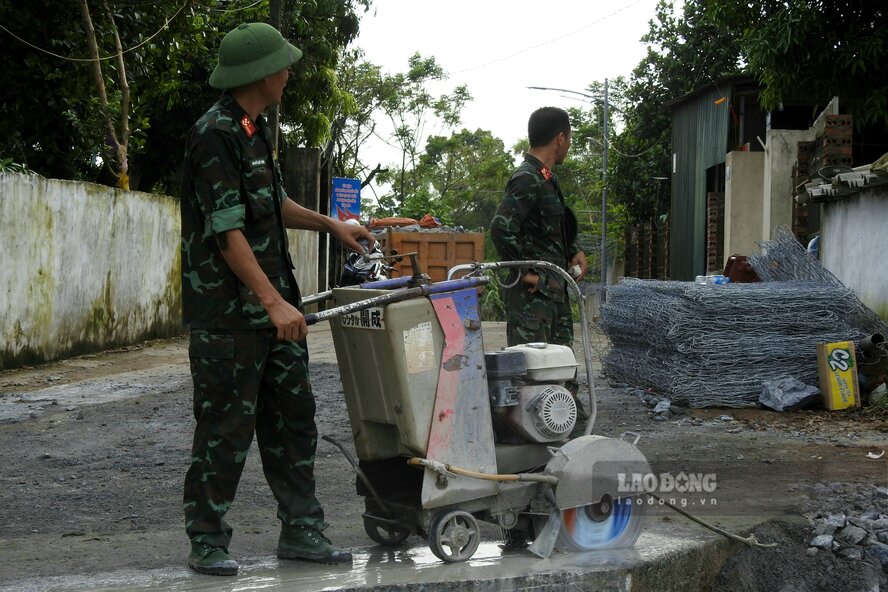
<point x="837" y="366"/>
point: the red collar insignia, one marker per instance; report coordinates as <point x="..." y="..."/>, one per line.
<point x="546" y="173"/>
<point x="248" y="126"/>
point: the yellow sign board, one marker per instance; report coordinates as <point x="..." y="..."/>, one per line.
<point x="837" y="366"/>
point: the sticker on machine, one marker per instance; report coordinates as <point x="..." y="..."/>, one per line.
<point x="419" y="348"/>
<point x="369" y="318"/>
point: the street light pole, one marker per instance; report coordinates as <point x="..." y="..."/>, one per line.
<point x="604" y="204"/>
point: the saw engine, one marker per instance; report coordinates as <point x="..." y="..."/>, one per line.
<point x="528" y="391"/>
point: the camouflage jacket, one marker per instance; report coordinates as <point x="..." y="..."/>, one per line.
<point x="231" y="181"/>
<point x="533" y="222"/>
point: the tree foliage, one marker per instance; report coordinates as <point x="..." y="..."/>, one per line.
<point x="812" y="50"/>
<point x="355" y="123"/>
<point x="460" y="178"/>
<point x="57" y="126"/>
<point x="412" y="110"/>
<point x="685" y="52"/>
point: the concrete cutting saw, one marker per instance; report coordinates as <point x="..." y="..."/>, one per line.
<point x="448" y="434"/>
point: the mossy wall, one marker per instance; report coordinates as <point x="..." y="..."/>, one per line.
<point x="84" y="267"/>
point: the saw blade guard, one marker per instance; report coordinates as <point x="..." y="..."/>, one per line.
<point x="594" y="469"/>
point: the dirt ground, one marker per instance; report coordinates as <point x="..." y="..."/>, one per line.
<point x="94" y="450"/>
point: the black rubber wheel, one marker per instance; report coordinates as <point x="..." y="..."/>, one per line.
<point x="381" y="528"/>
<point x="385" y="532"/>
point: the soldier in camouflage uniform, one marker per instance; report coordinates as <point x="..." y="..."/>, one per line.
<point x="249" y="360"/>
<point x="533" y="222"/>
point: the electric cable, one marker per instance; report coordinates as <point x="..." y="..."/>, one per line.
<point x="544" y="43"/>
<point x="110" y="57"/>
<point x="751" y="540"/>
<point x="232" y="9"/>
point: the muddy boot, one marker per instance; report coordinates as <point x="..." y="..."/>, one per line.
<point x="304" y="542"/>
<point x="214" y="561"/>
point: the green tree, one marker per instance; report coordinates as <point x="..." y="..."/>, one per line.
<point x="684" y="53"/>
<point x="460" y="178"/>
<point x="816" y="49"/>
<point x="412" y="111"/>
<point x="356" y="122"/>
<point x="57" y="124"/>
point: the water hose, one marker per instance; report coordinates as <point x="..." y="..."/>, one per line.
<point x="444" y="469"/>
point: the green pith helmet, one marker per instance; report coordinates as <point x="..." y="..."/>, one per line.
<point x="251" y="52"/>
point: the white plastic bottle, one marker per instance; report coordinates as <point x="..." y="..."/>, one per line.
<point x="712" y="280"/>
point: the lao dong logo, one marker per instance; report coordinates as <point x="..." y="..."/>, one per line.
<point x="666" y="482"/>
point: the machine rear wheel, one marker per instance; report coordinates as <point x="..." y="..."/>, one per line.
<point x="609" y="524"/>
<point x="382" y="529"/>
<point x="454" y="535"/>
<point x="385" y="532"/>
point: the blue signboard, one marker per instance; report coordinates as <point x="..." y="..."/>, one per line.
<point x="346" y="202"/>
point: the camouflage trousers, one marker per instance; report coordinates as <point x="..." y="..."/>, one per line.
<point x="248" y="382"/>
<point x="535" y="317"/>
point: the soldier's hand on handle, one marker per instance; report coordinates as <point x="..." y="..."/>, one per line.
<point x="350" y="234"/>
<point x="532" y="281"/>
<point x="289" y="321"/>
<point x="579" y="259"/>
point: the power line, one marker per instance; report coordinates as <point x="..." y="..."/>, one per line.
<point x="233" y="9"/>
<point x="549" y="42"/>
<point x="111" y="57"/>
<point x="611" y="147"/>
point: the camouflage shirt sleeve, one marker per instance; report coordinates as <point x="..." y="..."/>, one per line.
<point x="216" y="173"/>
<point x="505" y="228"/>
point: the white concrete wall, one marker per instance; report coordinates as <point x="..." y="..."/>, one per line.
<point x="744" y="201"/>
<point x="87" y="267"/>
<point x="853" y="245"/>
<point x="781" y="153"/>
<point x="84" y="267"/>
<point x="304" y="245"/>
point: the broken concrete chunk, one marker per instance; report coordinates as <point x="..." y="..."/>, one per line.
<point x="837" y="520"/>
<point x="822" y="541"/>
<point x="851" y="553"/>
<point x="663" y="406"/>
<point x="851" y="535"/>
<point x="879" y="552"/>
<point x="823" y="527"/>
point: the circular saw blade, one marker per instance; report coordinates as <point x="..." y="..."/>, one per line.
<point x="585" y="528"/>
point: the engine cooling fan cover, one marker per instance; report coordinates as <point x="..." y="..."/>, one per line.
<point x="556" y="412"/>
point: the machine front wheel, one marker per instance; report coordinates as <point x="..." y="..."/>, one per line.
<point x="454" y="536"/>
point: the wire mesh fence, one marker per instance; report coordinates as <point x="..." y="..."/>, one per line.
<point x="715" y="345"/>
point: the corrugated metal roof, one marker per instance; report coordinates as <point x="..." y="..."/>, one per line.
<point x="716" y="85"/>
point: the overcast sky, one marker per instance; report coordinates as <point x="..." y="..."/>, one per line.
<point x="500" y="47"/>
